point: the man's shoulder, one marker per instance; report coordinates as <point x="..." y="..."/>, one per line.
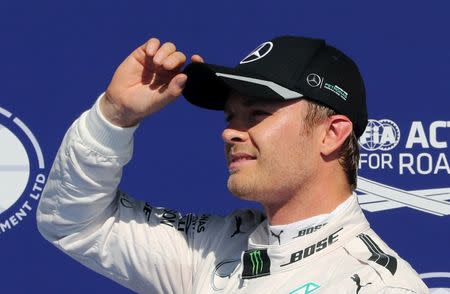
<point x="374" y="256"/>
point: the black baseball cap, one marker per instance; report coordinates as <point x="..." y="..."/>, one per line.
<point x="284" y="68"/>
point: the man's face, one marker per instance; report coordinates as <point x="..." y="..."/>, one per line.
<point x="270" y="155"/>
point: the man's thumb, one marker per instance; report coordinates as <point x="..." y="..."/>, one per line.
<point x="177" y="84"/>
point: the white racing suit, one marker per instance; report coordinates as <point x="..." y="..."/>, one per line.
<point x="157" y="250"/>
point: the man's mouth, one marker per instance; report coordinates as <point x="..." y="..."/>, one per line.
<point x="241" y="156"/>
<point x="236" y="160"/>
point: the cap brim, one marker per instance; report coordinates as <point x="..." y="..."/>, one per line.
<point x="209" y="86"/>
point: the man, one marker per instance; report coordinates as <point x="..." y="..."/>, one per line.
<point x="295" y="107"/>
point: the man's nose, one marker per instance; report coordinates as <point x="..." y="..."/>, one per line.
<point x="232" y="135"/>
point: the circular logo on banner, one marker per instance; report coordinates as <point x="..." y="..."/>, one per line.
<point x="21" y="171"/>
<point x="14" y="168"/>
<point x="260" y="51"/>
<point x="381" y="134"/>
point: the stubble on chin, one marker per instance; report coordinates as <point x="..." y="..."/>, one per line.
<point x="241" y="186"/>
<point x="263" y="187"/>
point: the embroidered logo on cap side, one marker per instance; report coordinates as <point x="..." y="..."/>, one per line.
<point x="314" y="80"/>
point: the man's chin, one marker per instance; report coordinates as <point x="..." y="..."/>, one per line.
<point x="241" y="188"/>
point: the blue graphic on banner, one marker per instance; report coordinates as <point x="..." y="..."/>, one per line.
<point x="22" y="171"/>
<point x="422" y="152"/>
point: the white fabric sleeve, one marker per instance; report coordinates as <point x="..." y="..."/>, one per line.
<point x="82" y="213"/>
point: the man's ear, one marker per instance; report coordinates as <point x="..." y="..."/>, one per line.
<point x="337" y="129"/>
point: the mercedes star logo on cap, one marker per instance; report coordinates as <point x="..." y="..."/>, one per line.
<point x="313" y="80"/>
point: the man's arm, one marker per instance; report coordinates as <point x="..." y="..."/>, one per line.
<point x="82" y="212"/>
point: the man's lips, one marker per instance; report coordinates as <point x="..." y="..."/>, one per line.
<point x="237" y="159"/>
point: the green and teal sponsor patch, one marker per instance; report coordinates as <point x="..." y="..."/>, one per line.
<point x="336" y="90"/>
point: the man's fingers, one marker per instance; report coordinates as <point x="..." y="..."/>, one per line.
<point x="165" y="50"/>
<point x="197" y="58"/>
<point x="174" y="60"/>
<point x="152" y="46"/>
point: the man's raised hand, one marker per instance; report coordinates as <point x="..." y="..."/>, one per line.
<point x="146" y="81"/>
